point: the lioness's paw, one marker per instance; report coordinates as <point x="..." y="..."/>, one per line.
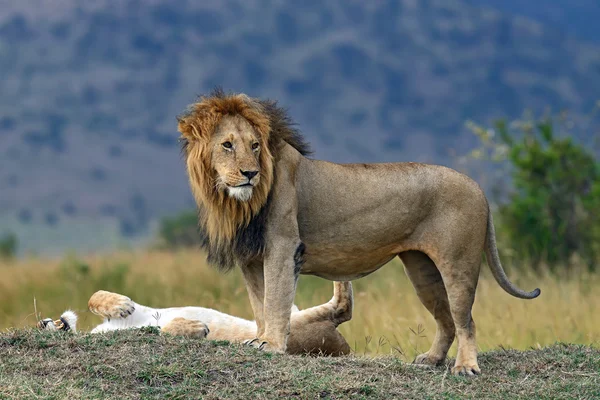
<point x="186" y="327"/>
<point x="466" y="370"/>
<point x="426" y="360"/>
<point x="66" y="323"/>
<point x="111" y="305"/>
<point x="47" y="324"/>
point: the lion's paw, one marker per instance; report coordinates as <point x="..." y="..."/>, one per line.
<point x="186" y="327"/>
<point x="263" y="345"/>
<point x="466" y="370"/>
<point x="256" y="343"/>
<point x="251" y="342"/>
<point x="111" y="305"/>
<point x="426" y="360"/>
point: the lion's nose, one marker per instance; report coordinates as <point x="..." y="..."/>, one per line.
<point x="249" y="174"/>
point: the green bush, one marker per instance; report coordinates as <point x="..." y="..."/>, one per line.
<point x="552" y="212"/>
<point x="180" y="231"/>
<point x="8" y="246"/>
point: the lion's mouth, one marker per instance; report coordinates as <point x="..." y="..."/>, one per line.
<point x="241" y="192"/>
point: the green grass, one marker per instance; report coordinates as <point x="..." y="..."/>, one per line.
<point x="142" y="364"/>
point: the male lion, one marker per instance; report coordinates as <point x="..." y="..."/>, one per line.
<point x="267" y="208"/>
<point x="313" y="331"/>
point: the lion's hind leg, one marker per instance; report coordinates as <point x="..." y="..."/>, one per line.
<point x="186" y="327"/>
<point x="111" y="305"/>
<point x="430" y="289"/>
<point x="460" y="277"/>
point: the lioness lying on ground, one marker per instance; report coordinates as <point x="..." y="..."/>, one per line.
<point x="313" y="331"/>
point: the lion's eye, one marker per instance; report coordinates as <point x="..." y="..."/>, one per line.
<point x="227" y="145"/>
<point x="254" y="146"/>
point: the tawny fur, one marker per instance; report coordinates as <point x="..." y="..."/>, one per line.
<point x="314" y="330"/>
<point x="348" y="220"/>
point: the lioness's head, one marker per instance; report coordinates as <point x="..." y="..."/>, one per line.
<point x="229" y="162"/>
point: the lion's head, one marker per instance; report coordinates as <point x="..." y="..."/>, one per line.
<point x="230" y="145"/>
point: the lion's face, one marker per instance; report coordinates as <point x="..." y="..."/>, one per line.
<point x="234" y="153"/>
<point x="229" y="161"/>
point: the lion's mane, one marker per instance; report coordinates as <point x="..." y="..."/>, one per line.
<point x="232" y="231"/>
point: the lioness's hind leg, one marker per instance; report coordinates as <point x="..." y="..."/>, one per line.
<point x="342" y="301"/>
<point x="429" y="286"/>
<point x="111" y="305"/>
<point x="186" y="327"/>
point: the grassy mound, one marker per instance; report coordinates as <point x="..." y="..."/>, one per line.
<point x="142" y="364"/>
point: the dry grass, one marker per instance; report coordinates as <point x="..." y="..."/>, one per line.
<point x="388" y="317"/>
<point x="139" y="364"/>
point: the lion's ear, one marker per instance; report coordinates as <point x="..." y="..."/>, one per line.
<point x="254" y="104"/>
<point x="256" y="114"/>
<point x="187" y="129"/>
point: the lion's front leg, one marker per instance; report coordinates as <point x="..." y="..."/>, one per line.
<point x="255" y="285"/>
<point x="281" y="274"/>
<point x="282" y="261"/>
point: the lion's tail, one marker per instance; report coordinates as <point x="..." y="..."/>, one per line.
<point x="493" y="260"/>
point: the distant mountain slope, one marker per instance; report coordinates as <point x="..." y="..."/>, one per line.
<point x="90" y="90"/>
<point x="575" y="17"/>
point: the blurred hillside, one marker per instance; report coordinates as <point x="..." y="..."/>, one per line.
<point x="90" y="91"/>
<point x="577" y="17"/>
